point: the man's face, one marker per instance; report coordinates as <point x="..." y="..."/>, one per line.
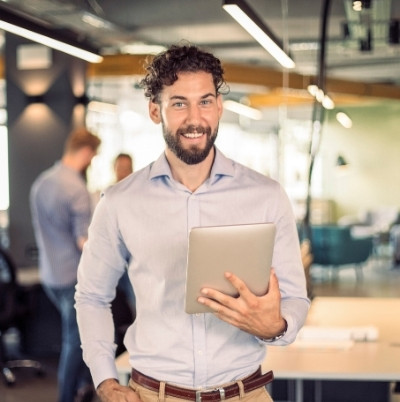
<point x="123" y="168"/>
<point x="189" y="111"/>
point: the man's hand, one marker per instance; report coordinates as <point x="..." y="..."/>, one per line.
<point x="257" y="315"/>
<point x="111" y="391"/>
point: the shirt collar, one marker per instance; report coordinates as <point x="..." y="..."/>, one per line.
<point x="222" y="166"/>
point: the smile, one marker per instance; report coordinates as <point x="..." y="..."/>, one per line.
<point x="192" y="135"/>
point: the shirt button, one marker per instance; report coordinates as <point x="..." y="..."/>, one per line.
<point x="200" y="352"/>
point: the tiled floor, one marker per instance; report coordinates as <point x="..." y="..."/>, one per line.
<point x="379" y="280"/>
<point x="31" y="388"/>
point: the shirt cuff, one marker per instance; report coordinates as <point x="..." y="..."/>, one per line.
<point x="102" y="369"/>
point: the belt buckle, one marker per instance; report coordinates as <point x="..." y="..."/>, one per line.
<point x="220" y="390"/>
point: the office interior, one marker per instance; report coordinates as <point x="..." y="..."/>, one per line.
<point x="355" y="174"/>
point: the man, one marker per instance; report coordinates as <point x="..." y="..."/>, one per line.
<point x="61" y="213"/>
<point x="145" y="221"/>
<point x="123" y="166"/>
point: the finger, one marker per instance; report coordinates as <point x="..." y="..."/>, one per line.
<point x="273" y="282"/>
<point x="214" y="305"/>
<point x="238" y="284"/>
<point x="215" y="298"/>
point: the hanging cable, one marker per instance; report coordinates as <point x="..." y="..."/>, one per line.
<point x="282" y="108"/>
<point x="318" y="115"/>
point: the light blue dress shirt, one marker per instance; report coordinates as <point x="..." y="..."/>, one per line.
<point x="145" y="220"/>
<point x="61" y="214"/>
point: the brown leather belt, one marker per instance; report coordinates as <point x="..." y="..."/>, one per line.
<point x="250" y="383"/>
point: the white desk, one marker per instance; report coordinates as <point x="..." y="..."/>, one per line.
<point x="365" y="361"/>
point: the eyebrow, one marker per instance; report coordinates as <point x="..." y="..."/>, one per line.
<point x="180" y="97"/>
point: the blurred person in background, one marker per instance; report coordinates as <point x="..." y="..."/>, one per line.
<point x="61" y="214"/>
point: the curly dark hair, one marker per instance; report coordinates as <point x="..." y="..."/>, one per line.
<point x="165" y="67"/>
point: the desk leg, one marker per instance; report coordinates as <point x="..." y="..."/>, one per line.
<point x="295" y="390"/>
<point x="318" y="391"/>
<point x="299" y="390"/>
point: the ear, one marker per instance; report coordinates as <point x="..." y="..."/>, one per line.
<point x="155" y="112"/>
<point x="219" y="105"/>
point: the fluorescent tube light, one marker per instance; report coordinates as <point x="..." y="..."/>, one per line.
<point x="18" y="26"/>
<point x="95" y="21"/>
<point x="328" y="102"/>
<point x="102" y="107"/>
<point x="243" y="110"/>
<point x="313" y="89"/>
<point x="344" y="119"/>
<point x="142" y="48"/>
<point x="321" y="96"/>
<point x="247" y="18"/>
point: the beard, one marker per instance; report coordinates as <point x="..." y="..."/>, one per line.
<point x="194" y="154"/>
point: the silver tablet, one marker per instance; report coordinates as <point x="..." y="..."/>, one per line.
<point x="244" y="250"/>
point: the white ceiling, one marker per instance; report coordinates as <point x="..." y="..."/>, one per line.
<point x="204" y="22"/>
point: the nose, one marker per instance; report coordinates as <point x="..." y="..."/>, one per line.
<point x="194" y="115"/>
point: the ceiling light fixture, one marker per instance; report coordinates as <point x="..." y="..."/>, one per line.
<point x="142" y="48"/>
<point x="244" y="110"/>
<point x="36" y="33"/>
<point x="341" y="162"/>
<point x="359" y="5"/>
<point x="344" y="119"/>
<point x="326" y="101"/>
<point x="249" y="20"/>
<point x="102" y="107"/>
<point x="95" y="21"/>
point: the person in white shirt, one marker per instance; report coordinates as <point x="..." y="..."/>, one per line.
<point x="144" y="221"/>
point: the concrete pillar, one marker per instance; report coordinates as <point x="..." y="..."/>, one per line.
<point x="43" y="89"/>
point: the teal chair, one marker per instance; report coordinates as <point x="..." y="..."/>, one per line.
<point x="334" y="247"/>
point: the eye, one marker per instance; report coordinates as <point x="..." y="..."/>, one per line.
<point x="206" y="102"/>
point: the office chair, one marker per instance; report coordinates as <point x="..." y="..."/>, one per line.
<point x="123" y="317"/>
<point x="334" y="247"/>
<point x="14" y="308"/>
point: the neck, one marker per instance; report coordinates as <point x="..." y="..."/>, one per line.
<point x="191" y="176"/>
<point x="72" y="162"/>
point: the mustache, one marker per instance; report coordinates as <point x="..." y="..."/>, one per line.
<point x="192" y="128"/>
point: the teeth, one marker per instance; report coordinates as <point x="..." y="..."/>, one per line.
<point x="193" y="135"/>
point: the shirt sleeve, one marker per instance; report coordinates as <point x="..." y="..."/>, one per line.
<point x="102" y="264"/>
<point x="289" y="270"/>
<point x="81" y="212"/>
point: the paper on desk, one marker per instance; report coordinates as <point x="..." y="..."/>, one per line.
<point x="325" y="345"/>
<point x="358" y="334"/>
